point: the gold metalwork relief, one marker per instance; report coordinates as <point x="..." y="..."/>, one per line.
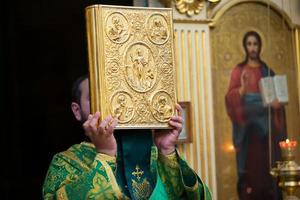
<point x="117" y="28"/>
<point x="140" y="71"/>
<point x="162" y="111"/>
<point x="157" y="29"/>
<point x="122" y="106"/>
<point x="189" y="7"/>
<point x="131" y="62"/>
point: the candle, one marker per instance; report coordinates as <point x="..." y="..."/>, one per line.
<point x="288" y="144"/>
<point x="287" y="149"/>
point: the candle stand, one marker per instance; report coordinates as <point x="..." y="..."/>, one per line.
<point x="287" y="171"/>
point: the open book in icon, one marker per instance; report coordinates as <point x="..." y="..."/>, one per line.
<point x="274" y="87"/>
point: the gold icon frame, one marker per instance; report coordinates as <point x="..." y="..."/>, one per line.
<point x="132" y="65"/>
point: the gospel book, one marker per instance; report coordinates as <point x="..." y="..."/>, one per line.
<point x="273" y="88"/>
<point x="131" y="65"/>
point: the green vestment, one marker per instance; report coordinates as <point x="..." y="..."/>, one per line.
<point x="82" y="173"/>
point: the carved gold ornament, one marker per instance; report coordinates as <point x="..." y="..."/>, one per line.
<point x="189" y="7"/>
<point x="132" y="65"/>
<point x="117" y="28"/>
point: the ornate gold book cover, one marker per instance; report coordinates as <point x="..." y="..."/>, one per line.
<point x="131" y="63"/>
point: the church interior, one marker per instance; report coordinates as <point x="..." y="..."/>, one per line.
<point x="43" y="49"/>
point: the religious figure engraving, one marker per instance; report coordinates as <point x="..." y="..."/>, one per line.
<point x="131" y="58"/>
<point x="113" y="67"/>
<point x="140" y="68"/>
<point x="166" y="68"/>
<point x="139" y="64"/>
<point x="122" y="107"/>
<point x="158" y="29"/>
<point x="162" y="106"/>
<point x="117" y="28"/>
<point x="251" y="123"/>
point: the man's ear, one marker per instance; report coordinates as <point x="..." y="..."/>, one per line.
<point x="76" y="110"/>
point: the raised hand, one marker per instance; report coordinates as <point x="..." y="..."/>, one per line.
<point x="165" y="139"/>
<point x="101" y="134"/>
<point x="244" y="82"/>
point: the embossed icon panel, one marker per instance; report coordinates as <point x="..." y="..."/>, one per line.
<point x="141" y="71"/>
<point x="131" y="63"/>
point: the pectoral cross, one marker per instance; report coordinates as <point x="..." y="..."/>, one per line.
<point x="137" y="173"/>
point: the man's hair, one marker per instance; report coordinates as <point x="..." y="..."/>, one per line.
<point x="258" y="38"/>
<point x="76" y="90"/>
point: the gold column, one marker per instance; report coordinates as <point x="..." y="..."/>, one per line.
<point x="200" y="103"/>
<point x="193" y="71"/>
<point x="206" y="108"/>
<point x="191" y="78"/>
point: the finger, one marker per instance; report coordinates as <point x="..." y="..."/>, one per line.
<point x="88" y="120"/>
<point x="93" y="125"/>
<point x="97" y="114"/>
<point x="114" y="122"/>
<point x="179" y="109"/>
<point x="177" y="119"/>
<point x="104" y="124"/>
<point x="85" y="125"/>
<point x="176" y="125"/>
<point x="111" y="126"/>
<point x="244" y="73"/>
<point x="244" y="77"/>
